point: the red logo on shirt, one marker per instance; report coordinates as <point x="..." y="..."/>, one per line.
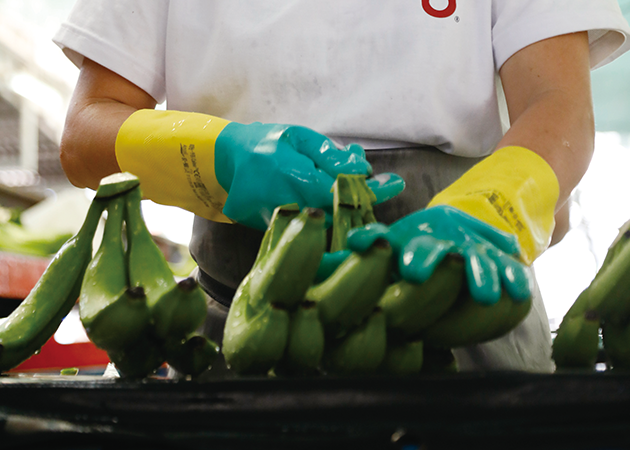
<point x="439" y="13"/>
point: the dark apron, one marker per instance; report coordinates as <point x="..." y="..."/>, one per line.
<point x="225" y="252"/>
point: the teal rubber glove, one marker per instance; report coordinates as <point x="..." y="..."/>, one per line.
<point x="262" y="166"/>
<point x="422" y="239"/>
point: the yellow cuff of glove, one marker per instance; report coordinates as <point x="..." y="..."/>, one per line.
<point x="172" y="153"/>
<point x="514" y="190"/>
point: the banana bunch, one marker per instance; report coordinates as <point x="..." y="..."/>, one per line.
<point x="360" y="318"/>
<point x="269" y="320"/>
<point x="130" y="303"/>
<point x="603" y="308"/>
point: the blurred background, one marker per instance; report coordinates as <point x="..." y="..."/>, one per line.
<point x="36" y="82"/>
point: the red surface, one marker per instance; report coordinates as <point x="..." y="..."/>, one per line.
<point x="19" y="273"/>
<point x="55" y="356"/>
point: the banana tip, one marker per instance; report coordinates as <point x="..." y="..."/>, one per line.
<point x="136" y="292"/>
<point x="187" y="284"/>
<point x="315" y="213"/>
<point x="308" y="304"/>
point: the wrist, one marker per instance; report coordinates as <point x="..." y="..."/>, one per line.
<point x="514" y="190"/>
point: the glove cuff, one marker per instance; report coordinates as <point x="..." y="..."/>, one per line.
<point x="514" y="190"/>
<point x="172" y="153"/>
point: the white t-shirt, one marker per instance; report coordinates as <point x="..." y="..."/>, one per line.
<point x="383" y="73"/>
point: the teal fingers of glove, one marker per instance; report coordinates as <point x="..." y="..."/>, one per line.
<point x="262" y="166"/>
<point x="385" y="186"/>
<point x="422" y="239"/>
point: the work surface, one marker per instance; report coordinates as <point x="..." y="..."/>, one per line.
<point x="494" y="410"/>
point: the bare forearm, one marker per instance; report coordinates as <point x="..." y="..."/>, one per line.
<point x="561" y="130"/>
<point x="548" y="91"/>
<point x="102" y="101"/>
<point x="87" y="147"/>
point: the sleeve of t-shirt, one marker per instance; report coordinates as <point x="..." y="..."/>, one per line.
<point x="125" y="36"/>
<point x="517" y="24"/>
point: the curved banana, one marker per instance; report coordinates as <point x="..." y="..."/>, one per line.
<point x="607" y="292"/>
<point x="576" y="344"/>
<point x="254" y="340"/>
<point x="280" y="220"/>
<point x="411" y="307"/>
<point x="38" y="316"/>
<point x="192" y="355"/>
<point x="616" y="340"/>
<point x="306" y="342"/>
<point x="361" y="350"/>
<point x="147" y="265"/>
<point x="112" y="314"/>
<point x="138" y="359"/>
<point x="518" y="310"/>
<point x="285" y="273"/>
<point x="403" y="358"/>
<point x="468" y="322"/>
<point x="350" y="294"/>
<point x="179" y="310"/>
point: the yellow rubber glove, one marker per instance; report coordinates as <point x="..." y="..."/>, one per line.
<point x="172" y="154"/>
<point x="232" y="172"/>
<point x="514" y="190"/>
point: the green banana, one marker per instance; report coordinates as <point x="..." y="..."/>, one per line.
<point x="411" y="307"/>
<point x="607" y="294"/>
<point x="576" y="344"/>
<point x="439" y="361"/>
<point x="469" y="322"/>
<point x="403" y="358"/>
<point x="38" y="316"/>
<point x="285" y="273"/>
<point x="620" y="241"/>
<point x="146" y="264"/>
<point x="347" y="296"/>
<point x="306" y="342"/>
<point x="254" y="340"/>
<point x="616" y="339"/>
<point x="280" y="220"/>
<point x="511" y="319"/>
<point x="112" y="313"/>
<point x="180" y="310"/>
<point x="352" y="207"/>
<point x="361" y="350"/>
<point x="192" y="355"/>
<point x="139" y="358"/>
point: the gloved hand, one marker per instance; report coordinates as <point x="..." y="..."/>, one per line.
<point x="422" y="239"/>
<point x="232" y="172"/>
<point x="499" y="215"/>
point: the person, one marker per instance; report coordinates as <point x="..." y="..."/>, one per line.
<point x="484" y="109"/>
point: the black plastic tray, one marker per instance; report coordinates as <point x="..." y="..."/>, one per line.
<point x="466" y="410"/>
